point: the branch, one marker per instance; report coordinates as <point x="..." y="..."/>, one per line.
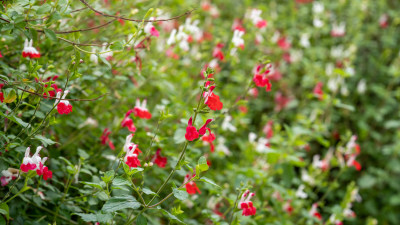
<point x="74" y="43"/>
<point x="135" y="20"/>
<point x="67" y="99"/>
<point x="80" y="30"/>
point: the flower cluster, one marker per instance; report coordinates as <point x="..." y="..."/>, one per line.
<point x="132" y="152"/>
<point x="260" y="77"/>
<point x="35" y="163"/>
<point x="191" y="131"/>
<point x="191" y="186"/>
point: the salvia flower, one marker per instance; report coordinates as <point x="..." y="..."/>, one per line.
<point x="260" y="77"/>
<point x="287" y="207"/>
<point x="159" y="160"/>
<point x="246" y="205"/>
<point x="300" y="192"/>
<point x="132" y="152"/>
<point x="191" y="131"/>
<point x="63" y="106"/>
<point x="217" y="52"/>
<point x="212" y="100"/>
<point x="27" y="162"/>
<point x="255" y="17"/>
<point x="314" y="212"/>
<point x="191" y="186"/>
<point x="29" y="50"/>
<point x="106" y="140"/>
<point x="128" y="122"/>
<point x="8" y="175"/>
<point x="237" y="39"/>
<point x="150" y="29"/>
<point x="384" y="21"/>
<point x="140" y="110"/>
<point x="44" y="170"/>
<point x="268" y="129"/>
<point x="209" y="139"/>
<point x="338" y="30"/>
<point x="318" y="92"/>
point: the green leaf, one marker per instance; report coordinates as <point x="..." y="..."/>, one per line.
<point x="202" y="164"/>
<point x="101" y="218"/>
<point x="119" y="181"/>
<point x="50" y="34"/>
<point x="179" y="194"/>
<point x="121" y="202"/>
<point x="108" y="176"/>
<point x="148" y="191"/>
<point x="5" y="210"/>
<point x="170" y="216"/>
<point x="43" y="9"/>
<point x="117" y="46"/>
<point x="12" y="95"/>
<point x="45" y="141"/>
<point x="95" y="185"/>
<point x="141" y="220"/>
<point x="205" y="179"/>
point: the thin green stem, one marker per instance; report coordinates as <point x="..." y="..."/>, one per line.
<point x="233" y="208"/>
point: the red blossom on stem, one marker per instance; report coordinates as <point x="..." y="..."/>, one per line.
<point x="191" y="131"/>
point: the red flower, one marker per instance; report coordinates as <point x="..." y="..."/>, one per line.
<point x="262" y="23"/>
<point x="132" y="152"/>
<point x="209" y="139"/>
<point x="246" y="205"/>
<point x="1" y="97"/>
<point x="260" y="78"/>
<point x="318" y="90"/>
<point x="29" y="50"/>
<point x="284" y="44"/>
<point x="128" y="122"/>
<point x="191" y="131"/>
<point x="212" y="100"/>
<point x="159" y="160"/>
<point x="268" y="129"/>
<point x="217" y="53"/>
<point x="44" y="170"/>
<point x="383" y="21"/>
<point x="105" y="139"/>
<point x="191" y="187"/>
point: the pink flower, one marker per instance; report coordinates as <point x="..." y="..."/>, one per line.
<point x="191" y="131"/>
<point x="105" y="139"/>
<point x="29" y="50"/>
<point x="63" y="106"/>
<point x="140" y="110"/>
<point x="8" y="175"/>
<point x="288" y="207"/>
<point x="318" y="90"/>
<point x="1" y="56"/>
<point x="281" y="101"/>
<point x="261" y="24"/>
<point x="191" y="187"/>
<point x="159" y="160"/>
<point x="246" y="205"/>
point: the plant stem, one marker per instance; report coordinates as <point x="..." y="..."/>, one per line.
<point x="233" y="208"/>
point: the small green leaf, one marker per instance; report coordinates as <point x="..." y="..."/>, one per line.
<point x="179" y="194"/>
<point x="120" y="181"/>
<point x="141" y="220"/>
<point x="108" y="176"/>
<point x="101" y="218"/>
<point x="117" y="46"/>
<point x="45" y="141"/>
<point x="121" y="202"/>
<point x="50" y="34"/>
<point x="148" y="191"/>
<point x="12" y="95"/>
<point x="5" y="210"/>
<point x="92" y="184"/>
<point x="202" y="164"/>
<point x="43" y="9"/>
<point x="205" y="179"/>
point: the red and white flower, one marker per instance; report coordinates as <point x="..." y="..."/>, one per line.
<point x="132" y="152"/>
<point x="217" y="53"/>
<point x="246" y="205"/>
<point x="314" y="211"/>
<point x="63" y="106"/>
<point x="208" y="139"/>
<point x="27" y="162"/>
<point x="255" y="17"/>
<point x="29" y="50"/>
<point x="318" y="92"/>
<point x="237" y="39"/>
<point x="338" y="30"/>
<point x="384" y="21"/>
<point x="260" y="77"/>
<point x="8" y="175"/>
<point x="140" y="110"/>
<point x="150" y="29"/>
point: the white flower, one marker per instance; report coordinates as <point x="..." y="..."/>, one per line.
<point x="237" y="39"/>
<point x="318" y="7"/>
<point x="226" y="124"/>
<point x="305" y="40"/>
<point x="361" y="86"/>
<point x="300" y="192"/>
<point x="317" y="22"/>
